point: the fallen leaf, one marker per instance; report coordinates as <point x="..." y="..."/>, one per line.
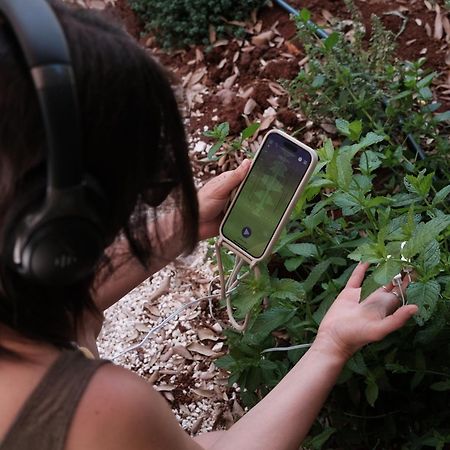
<point x="204" y="393"/>
<point x="263" y="37"/>
<point x="142" y="327"/>
<point x="164" y="387"/>
<point x="228" y="83"/>
<point x="438" y="27"/>
<point x="197" y="424"/>
<point x="292" y="48"/>
<point x="327" y="15"/>
<point x="266" y="122"/>
<point x="249" y="106"/>
<point x="201" y="349"/>
<point x="182" y="351"/>
<point x="197" y="76"/>
<point x="206" y="334"/>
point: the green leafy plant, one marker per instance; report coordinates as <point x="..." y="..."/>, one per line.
<point x="224" y="145"/>
<point x="345" y="216"/>
<point x="347" y="79"/>
<point x="178" y="23"/>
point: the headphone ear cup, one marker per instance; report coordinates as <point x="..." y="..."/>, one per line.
<point x="59" y="242"/>
<point x="62" y="251"/>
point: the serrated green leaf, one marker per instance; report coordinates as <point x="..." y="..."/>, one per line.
<point x="400" y="96"/>
<point x="377" y="201"/>
<point x="347" y="203"/>
<point x="225" y="362"/>
<point x="369" y="161"/>
<point x="270" y="320"/>
<point x="331" y="170"/>
<point x="214" y="149"/>
<point x="326" y="153"/>
<point x="250" y="131"/>
<point x="361" y="184"/>
<point x="304" y="249"/>
<point x="292" y="264"/>
<point x="286" y="288"/>
<point x="355" y="128"/>
<point x="223" y="129"/>
<point x="434" y="326"/>
<point x="331" y="41"/>
<point x="250" y="292"/>
<point x="386" y="271"/>
<point x="343" y="126"/>
<point x="419" y="185"/>
<point x="357" y="364"/>
<point x="443" y="117"/>
<point x="441" y="195"/>
<point x="318" y="81"/>
<point x="441" y="386"/>
<point x="305" y="15"/>
<point x="368" y="140"/>
<point x="312" y="221"/>
<point x="404" y="199"/>
<point x="426" y="80"/>
<point x="425" y="295"/>
<point x="431" y="256"/>
<point x="426" y="93"/>
<point x="286" y="238"/>
<point x="424" y="234"/>
<point x="394" y="230"/>
<point x="345" y="172"/>
<point x="317" y="442"/>
<point x="369" y="285"/>
<point x="315" y="275"/>
<point x="371" y="390"/>
<point x="366" y="252"/>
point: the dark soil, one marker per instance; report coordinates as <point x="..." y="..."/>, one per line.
<point x="262" y="65"/>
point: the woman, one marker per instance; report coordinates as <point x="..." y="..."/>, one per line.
<point x="52" y="397"/>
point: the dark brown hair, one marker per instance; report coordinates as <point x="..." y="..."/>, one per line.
<point x="134" y="146"/>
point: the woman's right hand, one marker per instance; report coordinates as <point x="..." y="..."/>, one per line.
<point x="350" y="324"/>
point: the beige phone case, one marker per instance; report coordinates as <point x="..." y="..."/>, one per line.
<point x="234" y="247"/>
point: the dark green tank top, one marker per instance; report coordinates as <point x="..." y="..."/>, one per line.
<point x="44" y="420"/>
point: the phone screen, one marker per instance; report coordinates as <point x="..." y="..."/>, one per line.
<point x="269" y="188"/>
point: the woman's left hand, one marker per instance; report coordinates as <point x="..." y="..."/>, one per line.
<point x="213" y="197"/>
<point x="351" y="323"/>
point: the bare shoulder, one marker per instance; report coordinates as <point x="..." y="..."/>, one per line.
<point x="120" y="410"/>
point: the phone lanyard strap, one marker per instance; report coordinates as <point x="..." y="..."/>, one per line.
<point x="226" y="287"/>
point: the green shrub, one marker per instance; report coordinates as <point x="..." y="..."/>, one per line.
<point x="387" y="391"/>
<point x="353" y="81"/>
<point x="370" y="200"/>
<point x="178" y="23"/>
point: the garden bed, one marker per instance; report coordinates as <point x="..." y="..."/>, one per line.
<point x="238" y="81"/>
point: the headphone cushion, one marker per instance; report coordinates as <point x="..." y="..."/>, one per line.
<point x="62" y="251"/>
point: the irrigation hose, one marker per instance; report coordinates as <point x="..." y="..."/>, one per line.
<point x="322" y="34"/>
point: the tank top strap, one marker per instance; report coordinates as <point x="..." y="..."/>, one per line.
<point x="45" y="418"/>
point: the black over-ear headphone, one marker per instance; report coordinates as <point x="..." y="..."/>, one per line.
<point x="59" y="241"/>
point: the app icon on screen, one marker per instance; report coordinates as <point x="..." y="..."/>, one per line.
<point x="246" y="232"/>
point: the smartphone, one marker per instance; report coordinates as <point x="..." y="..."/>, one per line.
<point x="262" y="205"/>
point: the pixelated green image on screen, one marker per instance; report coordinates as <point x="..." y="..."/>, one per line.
<point x="266" y="194"/>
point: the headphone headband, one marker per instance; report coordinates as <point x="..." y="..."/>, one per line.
<point x="59" y="241"/>
<point x="47" y="55"/>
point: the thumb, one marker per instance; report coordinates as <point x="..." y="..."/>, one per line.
<point x="231" y="179"/>
<point x="240" y="172"/>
